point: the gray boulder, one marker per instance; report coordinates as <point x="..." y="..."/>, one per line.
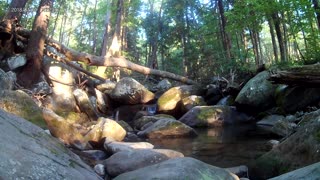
<point x="213" y="116"/>
<point x="16" y="61"/>
<point x="27" y="152"/>
<point x="139" y="123"/>
<point x="125" y="161"/>
<point x="130" y="91"/>
<point x="114" y="147"/>
<point x="85" y="104"/>
<point x="311" y="172"/>
<point x="167" y="128"/>
<point x="163" y="85"/>
<point x="179" y="169"/>
<point x="276" y="124"/>
<point x="258" y="93"/>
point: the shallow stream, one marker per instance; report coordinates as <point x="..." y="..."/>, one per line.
<point x="223" y="147"/>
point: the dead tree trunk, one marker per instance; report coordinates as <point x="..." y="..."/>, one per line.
<point x="308" y="76"/>
<point x="113" y="62"/>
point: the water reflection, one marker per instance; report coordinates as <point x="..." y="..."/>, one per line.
<point x="223" y="147"/>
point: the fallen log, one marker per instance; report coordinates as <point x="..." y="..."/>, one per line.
<point x="122" y="62"/>
<point x="308" y="76"/>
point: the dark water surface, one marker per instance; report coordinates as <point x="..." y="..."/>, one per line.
<point x="223" y="147"/>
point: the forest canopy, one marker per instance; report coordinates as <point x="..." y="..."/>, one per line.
<point x="194" y="38"/>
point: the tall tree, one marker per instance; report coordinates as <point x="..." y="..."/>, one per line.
<point x="34" y="54"/>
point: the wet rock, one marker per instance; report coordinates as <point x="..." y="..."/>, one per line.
<point x="21" y="104"/>
<point x="28" y="152"/>
<point x="5" y="81"/>
<point x="309" y="172"/>
<point x="210" y="116"/>
<point x="130" y="91"/>
<point x="190" y="102"/>
<point x="114" y="147"/>
<point x="139" y="123"/>
<point x="125" y="161"/>
<point x="179" y="168"/>
<point x="258" y="93"/>
<point x="167" y="128"/>
<point x="84" y="103"/>
<point x="169" y="100"/>
<point x="105" y="128"/>
<point x="292" y="99"/>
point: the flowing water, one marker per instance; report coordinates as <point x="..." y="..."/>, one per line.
<point x="223" y="147"/>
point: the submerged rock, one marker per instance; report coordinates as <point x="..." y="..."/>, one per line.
<point x="125" y="161"/>
<point x="179" y="168"/>
<point x="26" y="151"/>
<point x="210" y="116"/>
<point x="130" y="91"/>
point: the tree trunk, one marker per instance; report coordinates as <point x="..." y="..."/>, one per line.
<point x="276" y="22"/>
<point x="225" y="36"/>
<point x="34" y="54"/>
<point x="16" y="9"/>
<point x="273" y="39"/>
<point x="94" y="32"/>
<point x="317" y="11"/>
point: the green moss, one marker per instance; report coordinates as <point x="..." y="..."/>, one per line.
<point x="172" y="94"/>
<point x="206" y="113"/>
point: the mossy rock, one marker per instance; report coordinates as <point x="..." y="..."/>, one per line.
<point x="21" y="104"/>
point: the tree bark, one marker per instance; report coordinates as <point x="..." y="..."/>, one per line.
<point x="114" y="62"/>
<point x="276" y="21"/>
<point x="225" y="36"/>
<point x="273" y="39"/>
<point x="34" y="54"/>
<point x="308" y="75"/>
<point x="317" y="11"/>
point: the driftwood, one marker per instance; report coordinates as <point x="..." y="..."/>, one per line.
<point x="92" y="60"/>
<point x="308" y="76"/>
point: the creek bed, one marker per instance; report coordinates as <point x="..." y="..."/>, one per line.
<point x="221" y="146"/>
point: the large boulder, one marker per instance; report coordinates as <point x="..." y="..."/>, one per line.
<point x="308" y="172"/>
<point x="130" y="91"/>
<point x="169" y="100"/>
<point x="298" y="150"/>
<point x="258" y="93"/>
<point x="211" y="116"/>
<point x="179" y="168"/>
<point x="167" y="127"/>
<point x="27" y="152"/>
<point x="190" y="102"/>
<point x="277" y="125"/>
<point x="21" y="104"/>
<point x="292" y="99"/>
<point x="125" y="161"/>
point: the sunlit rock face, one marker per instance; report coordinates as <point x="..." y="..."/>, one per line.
<point x="211" y="116"/>
<point x="85" y="104"/>
<point x="114" y="147"/>
<point x="62" y="92"/>
<point x="258" y="93"/>
<point x="179" y="168"/>
<point x="169" y="101"/>
<point x="130" y="91"/>
<point x="28" y="152"/>
<point x="167" y="127"/>
<point x="190" y="102"/>
<point x="125" y="161"/>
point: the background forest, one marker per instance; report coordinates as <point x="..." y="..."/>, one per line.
<point x="195" y="38"/>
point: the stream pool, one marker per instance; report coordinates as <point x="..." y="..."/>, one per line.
<point x="223" y="147"/>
